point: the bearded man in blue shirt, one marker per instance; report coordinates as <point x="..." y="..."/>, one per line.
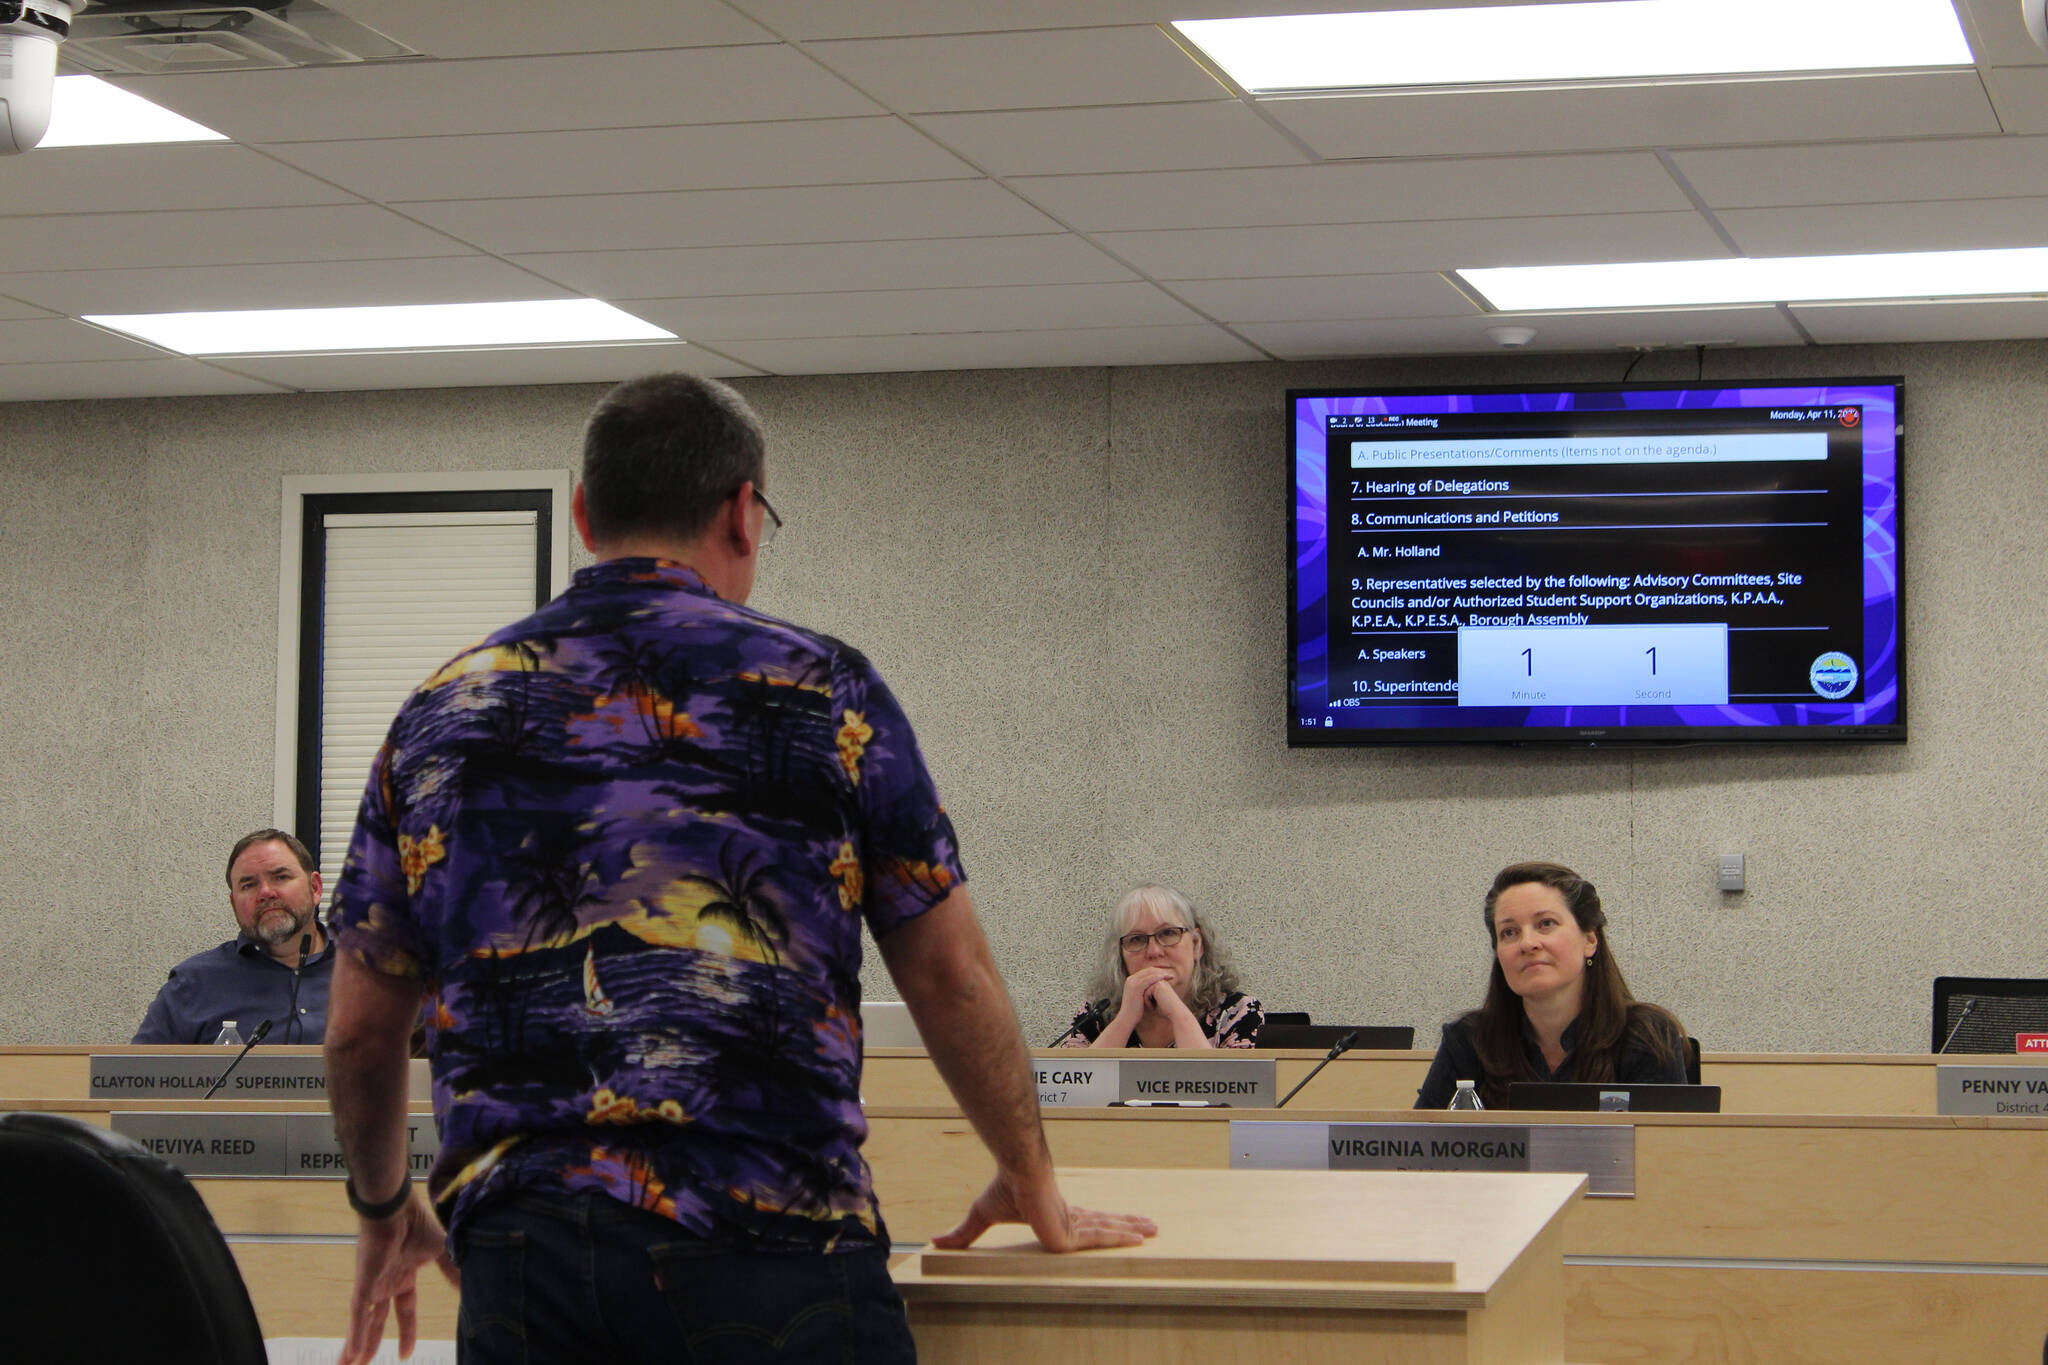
<point x="277" y="968"/>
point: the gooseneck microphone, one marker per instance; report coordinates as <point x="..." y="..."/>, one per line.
<point x="1095" y="1015"/>
<point x="291" y="1009"/>
<point x="1343" y="1046"/>
<point x="262" y="1032"/>
<point x="1968" y="1006"/>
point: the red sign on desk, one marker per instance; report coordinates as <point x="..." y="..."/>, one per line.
<point x="2030" y="1042"/>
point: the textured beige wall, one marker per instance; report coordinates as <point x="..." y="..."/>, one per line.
<point x="1075" y="579"/>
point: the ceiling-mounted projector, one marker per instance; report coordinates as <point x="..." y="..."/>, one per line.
<point x="30" y="31"/>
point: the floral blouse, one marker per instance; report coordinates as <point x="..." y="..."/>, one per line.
<point x="1234" y="1023"/>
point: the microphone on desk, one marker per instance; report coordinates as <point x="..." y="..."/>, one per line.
<point x="1096" y="1015"/>
<point x="262" y="1032"/>
<point x="1968" y="1006"/>
<point x="291" y="1009"/>
<point x="1343" y="1046"/>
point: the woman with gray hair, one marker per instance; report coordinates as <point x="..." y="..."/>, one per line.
<point x="1163" y="982"/>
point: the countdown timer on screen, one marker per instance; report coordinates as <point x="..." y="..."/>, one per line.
<point x="1603" y="564"/>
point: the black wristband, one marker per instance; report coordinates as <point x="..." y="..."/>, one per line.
<point x="377" y="1213"/>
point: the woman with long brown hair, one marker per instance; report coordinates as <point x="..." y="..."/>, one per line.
<point x="1557" y="1007"/>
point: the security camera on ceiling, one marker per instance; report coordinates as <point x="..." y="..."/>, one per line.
<point x="30" y="31"/>
<point x="2035" y="12"/>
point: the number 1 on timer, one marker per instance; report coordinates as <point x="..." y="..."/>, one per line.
<point x="1667" y="664"/>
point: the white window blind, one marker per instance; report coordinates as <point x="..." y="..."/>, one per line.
<point x="403" y="593"/>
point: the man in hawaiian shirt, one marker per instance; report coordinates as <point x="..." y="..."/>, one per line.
<point x="625" y="849"/>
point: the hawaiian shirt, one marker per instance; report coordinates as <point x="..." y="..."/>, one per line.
<point x="628" y="845"/>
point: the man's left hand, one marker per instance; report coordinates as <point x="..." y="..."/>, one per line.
<point x="1058" y="1225"/>
<point x="389" y="1254"/>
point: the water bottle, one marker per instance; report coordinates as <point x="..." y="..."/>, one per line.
<point x="230" y="1036"/>
<point x="1467" y="1096"/>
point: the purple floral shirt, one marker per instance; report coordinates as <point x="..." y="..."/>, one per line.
<point x="628" y="845"/>
<point x="1233" y="1022"/>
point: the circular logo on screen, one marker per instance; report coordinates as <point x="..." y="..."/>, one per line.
<point x="1850" y="417"/>
<point x="1833" y="675"/>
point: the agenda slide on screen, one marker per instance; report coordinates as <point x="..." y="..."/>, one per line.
<point x="1688" y="557"/>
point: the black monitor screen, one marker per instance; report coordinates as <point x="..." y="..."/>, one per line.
<point x="1603" y="564"/>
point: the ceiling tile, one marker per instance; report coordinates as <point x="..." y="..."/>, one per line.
<point x="1359" y="192"/>
<point x="1841" y="229"/>
<point x="686" y="157"/>
<point x="532" y="94"/>
<point x="62" y="339"/>
<point x="993" y="350"/>
<point x="2021" y="96"/>
<point x="818" y="267"/>
<point x="1556" y="332"/>
<point x="491" y="28"/>
<point x="1479" y="122"/>
<point x="163" y="378"/>
<point x="1867" y="172"/>
<point x="1326" y="298"/>
<point x="909" y="311"/>
<point x="16" y="306"/>
<point x="185" y="175"/>
<point x="1390" y="248"/>
<point x="894" y="18"/>
<point x="630" y="160"/>
<point x="467" y="369"/>
<point x="938" y="208"/>
<point x="1040" y="69"/>
<point x="1124" y="137"/>
<point x="332" y="284"/>
<point x="117" y="240"/>
<point x="1846" y="324"/>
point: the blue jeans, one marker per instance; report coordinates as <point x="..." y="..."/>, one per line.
<point x="558" y="1279"/>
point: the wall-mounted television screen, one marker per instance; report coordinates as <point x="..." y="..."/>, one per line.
<point x="1597" y="564"/>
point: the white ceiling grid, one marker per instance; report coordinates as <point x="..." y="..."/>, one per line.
<point x="812" y="186"/>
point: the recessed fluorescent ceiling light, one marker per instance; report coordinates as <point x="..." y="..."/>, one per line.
<point x="409" y="327"/>
<point x="85" y="111"/>
<point x="1577" y="42"/>
<point x="1779" y="279"/>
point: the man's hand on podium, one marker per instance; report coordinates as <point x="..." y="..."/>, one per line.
<point x="1058" y="1225"/>
<point x="389" y="1253"/>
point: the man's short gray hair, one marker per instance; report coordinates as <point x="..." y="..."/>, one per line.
<point x="661" y="452"/>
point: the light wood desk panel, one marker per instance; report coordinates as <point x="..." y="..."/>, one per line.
<point x="301" y="1289"/>
<point x="1636" y="1315"/>
<point x="1865" y="1192"/>
<point x="1254" y="1268"/>
<point x="1776" y="1186"/>
<point x="1751" y="1083"/>
<point x="1936" y="1190"/>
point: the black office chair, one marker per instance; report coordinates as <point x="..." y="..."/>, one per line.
<point x="109" y="1254"/>
<point x="1987" y="1014"/>
<point x="1291" y="1018"/>
<point x="1692" y="1060"/>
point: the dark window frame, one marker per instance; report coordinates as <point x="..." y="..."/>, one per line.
<point x="315" y="509"/>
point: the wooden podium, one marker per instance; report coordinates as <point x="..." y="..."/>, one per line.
<point x="1261" y="1267"/>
